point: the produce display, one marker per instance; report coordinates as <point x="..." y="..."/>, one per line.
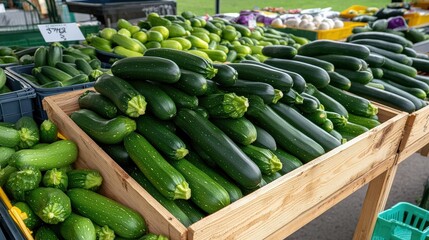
<point x="16" y="55"/>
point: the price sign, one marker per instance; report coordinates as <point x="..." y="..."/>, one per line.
<point x="61" y="32"/>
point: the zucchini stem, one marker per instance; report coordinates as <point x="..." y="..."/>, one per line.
<point x="181" y="153"/>
<point x="136" y="106"/>
<point x="277" y="95"/>
<point x="182" y="191"/>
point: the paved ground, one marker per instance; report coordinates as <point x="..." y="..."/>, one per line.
<point x="339" y="222"/>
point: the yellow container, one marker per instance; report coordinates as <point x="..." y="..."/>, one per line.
<point x="347" y="12"/>
<point x="416" y="18"/>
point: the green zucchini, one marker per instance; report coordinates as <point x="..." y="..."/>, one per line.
<point x="54" y="73"/>
<point x="342" y="61"/>
<point x="383" y="97"/>
<point x="89" y="179"/>
<point x="226" y="75"/>
<point x="398" y="57"/>
<point x="56" y="178"/>
<point x="206" y="193"/>
<point x="316" y="61"/>
<point x="284" y="133"/>
<point x="328" y="102"/>
<point x="264" y="90"/>
<point x="104" y="232"/>
<point x="9" y="137"/>
<point x="267" y="162"/>
<point x="420" y="64"/>
<point x="220" y="148"/>
<point x="340" y="81"/>
<point x="32" y="221"/>
<point x="393" y="88"/>
<point x="354" y="104"/>
<point x="338" y="136"/>
<point x="45" y="233"/>
<point x="57" y="154"/>
<point x="5" y="153"/>
<point x="400" y="68"/>
<point x="224" y="105"/>
<point x="318" y="117"/>
<point x="351" y="130"/>
<point x="383" y="44"/>
<point x="159" y="103"/>
<point x="272" y="177"/>
<point x="410" y="52"/>
<point x="257" y="73"/>
<point x="107" y="131"/>
<point x="327" y="125"/>
<point x="28" y="132"/>
<point x="51" y="204"/>
<point x="184" y="60"/>
<point x="164" y="140"/>
<point x="289" y="162"/>
<point x="149" y="67"/>
<point x="76" y="227"/>
<point x="362" y="77"/>
<point x="377" y="73"/>
<point x="122" y="94"/>
<point x="291" y="97"/>
<point x="240" y="130"/>
<point x="323" y="47"/>
<point x="191" y="83"/>
<point x="389" y="37"/>
<point x="180" y="98"/>
<point x="40" y="56"/>
<point x="101" y="210"/>
<point x="336" y="118"/>
<point x="264" y="139"/>
<point x="309" y="104"/>
<point x="279" y="51"/>
<point x="375" y="60"/>
<point x="212" y="87"/>
<point x="363" y="121"/>
<point x="404" y="80"/>
<point x="312" y="74"/>
<point x="95" y="63"/>
<point x="417" y="92"/>
<point x="48" y="131"/>
<point x="191" y="210"/>
<point x="423" y="78"/>
<point x="118" y="153"/>
<point x="98" y="103"/>
<point x="169" y="204"/>
<point x="54" y="54"/>
<point x="160" y="173"/>
<point x="83" y="66"/>
<point x="26" y="179"/>
<point x="67" y="68"/>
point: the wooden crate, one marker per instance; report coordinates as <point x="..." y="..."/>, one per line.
<point x="274" y="211"/>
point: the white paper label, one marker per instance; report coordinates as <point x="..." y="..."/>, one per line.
<point x="252" y="23"/>
<point x="61" y="32"/>
<point x="2" y="8"/>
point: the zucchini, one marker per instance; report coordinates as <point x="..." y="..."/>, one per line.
<point x="257" y="73"/>
<point x="76" y="227"/>
<point x="212" y="87"/>
<point x="9" y="137"/>
<point x="327" y="125"/>
<point x="159" y="103"/>
<point x="206" y="193"/>
<point x="267" y="162"/>
<point x="5" y="153"/>
<point x="386" y="45"/>
<point x="240" y="130"/>
<point x="98" y="103"/>
<point x="292" y="97"/>
<point x="339" y="81"/>
<point x="157" y="69"/>
<point x="400" y="91"/>
<point x="83" y="66"/>
<point x="51" y="204"/>
<point x="323" y="47"/>
<point x="309" y="103"/>
<point x="363" y="121"/>
<point x="423" y="79"/>
<point x="169" y="204"/>
<point x="219" y="147"/>
<point x="318" y="117"/>
<point x="336" y="118"/>
<point x="56" y="178"/>
<point x="279" y="51"/>
<point x="5" y="174"/>
<point x="191" y="83"/>
<point x="400" y="68"/>
<point x="26" y="179"/>
<point x="160" y="173"/>
<point x="95" y="63"/>
<point x="284" y="133"/>
<point x="28" y="132"/>
<point x="54" y="54"/>
<point x="338" y="136"/>
<point x="126" y="42"/>
<point x="164" y="140"/>
<point x="398" y="57"/>
<point x="118" y="153"/>
<point x="45" y="233"/>
<point x="264" y="139"/>
<point x="289" y="162"/>
<point x="388" y="37"/>
<point x="377" y="73"/>
<point x="383" y="97"/>
<point x="312" y="74"/>
<point x="184" y="60"/>
<point x="316" y="61"/>
<point x="233" y="190"/>
<point x="124" y="221"/>
<point x="180" y="98"/>
<point x="342" y="61"/>
<point x="107" y="131"/>
<point x="55" y="155"/>
<point x="48" y="131"/>
<point x="32" y="221"/>
<point x="226" y="75"/>
<point x="410" y="52"/>
<point x="362" y="77"/>
<point x="328" y="102"/>
<point x="224" y="105"/>
<point x="310" y="129"/>
<point x="404" y="80"/>
<point x="420" y="64"/>
<point x="126" y="98"/>
<point x="272" y="177"/>
<point x="417" y="92"/>
<point x="52" y="84"/>
<point x="351" y="130"/>
<point x="89" y="179"/>
<point x="54" y="73"/>
<point x="264" y="90"/>
<point x="354" y="104"/>
<point x="67" y="68"/>
<point x="191" y="210"/>
<point x="40" y="56"/>
<point x="375" y="60"/>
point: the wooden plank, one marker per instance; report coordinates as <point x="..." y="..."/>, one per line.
<point x="425" y="151"/>
<point x="416" y="146"/>
<point x="332" y="200"/>
<point x="416" y="128"/>
<point x="375" y="201"/>
<point x="117" y="184"/>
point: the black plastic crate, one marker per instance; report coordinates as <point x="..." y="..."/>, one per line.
<point x="9" y="229"/>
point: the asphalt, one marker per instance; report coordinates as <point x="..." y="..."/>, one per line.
<point x="339" y="222"/>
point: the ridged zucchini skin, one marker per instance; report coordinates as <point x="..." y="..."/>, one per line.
<point x="328" y="102"/>
<point x="264" y="139"/>
<point x="323" y="47"/>
<point x="312" y="74"/>
<point x="389" y="37"/>
<point x="289" y="162"/>
<point x="192" y="83"/>
<point x="107" y="131"/>
<point x="420" y="64"/>
<point x="224" y="105"/>
<point x="40" y="56"/>
<point x="98" y="103"/>
<point x="28" y="131"/>
<point x="398" y="57"/>
<point x="160" y="173"/>
<point x="351" y="130"/>
<point x="240" y="130"/>
<point x="191" y="210"/>
<point x="180" y="98"/>
<point x="170" y="205"/>
<point x="264" y="90"/>
<point x="375" y="60"/>
<point x="287" y="136"/>
<point x="267" y="162"/>
<point x="326" y="65"/>
<point x="226" y="75"/>
<point x="159" y="103"/>
<point x="404" y="80"/>
<point x="306" y="126"/>
<point x="185" y="60"/>
<point x="161" y="137"/>
<point x="401" y="68"/>
<point x="76" y="227"/>
<point x="219" y="147"/>
<point x="363" y="121"/>
<point x="386" y="45"/>
<point x="146" y="68"/>
<point x="279" y="51"/>
<point x="342" y="61"/>
<point x="122" y="94"/>
<point x="363" y="77"/>
<point x="101" y="210"/>
<point x="9" y="137"/>
<point x="206" y="193"/>
<point x="258" y="73"/>
<point x="339" y="81"/>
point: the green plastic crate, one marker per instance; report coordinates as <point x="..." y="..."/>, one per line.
<point x="404" y="221"/>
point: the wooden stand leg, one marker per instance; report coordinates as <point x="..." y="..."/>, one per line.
<point x="375" y="201"/>
<point x="425" y="151"/>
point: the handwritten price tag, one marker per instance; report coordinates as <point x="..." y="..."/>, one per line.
<point x="61" y="32"/>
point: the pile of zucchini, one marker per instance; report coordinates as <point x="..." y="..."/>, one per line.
<point x="54" y="199"/>
<point x="57" y="66"/>
<point x="16" y="55"/>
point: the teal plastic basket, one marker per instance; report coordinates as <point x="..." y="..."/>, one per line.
<point x="404" y="221"/>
